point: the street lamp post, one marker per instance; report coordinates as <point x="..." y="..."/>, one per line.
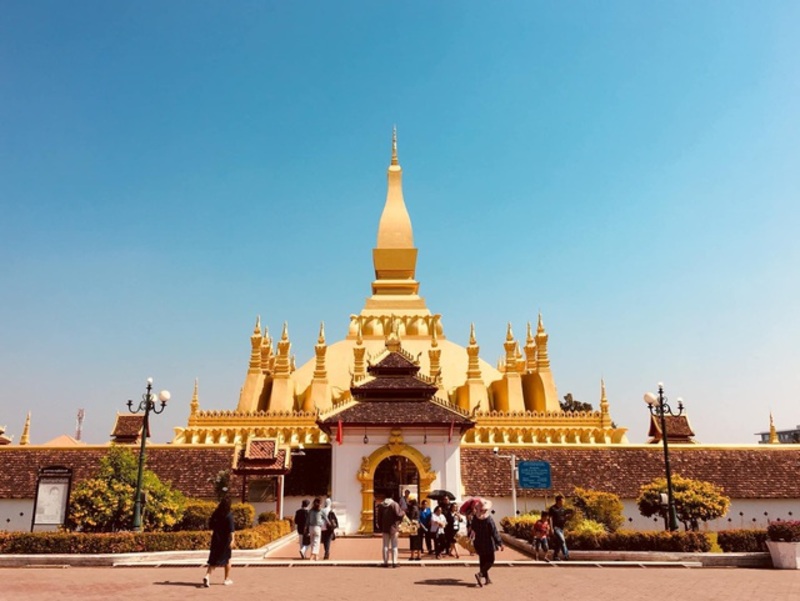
<point x="513" y="459"/>
<point x="659" y="407"/>
<point x="147" y="405"/>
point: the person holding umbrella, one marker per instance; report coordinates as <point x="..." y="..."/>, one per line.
<point x="486" y="539"/>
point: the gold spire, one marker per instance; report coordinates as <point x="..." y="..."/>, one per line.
<point x="320" y="372"/>
<point x="511" y="346"/>
<point x="283" y="365"/>
<point x="542" y="358"/>
<point x="195" y="404"/>
<point x="540" y="325"/>
<point x="473" y="350"/>
<point x="773" y="432"/>
<point x="530" y="351"/>
<point x="603" y="398"/>
<point x="255" y="348"/>
<point x="359" y="336"/>
<point x="25" y="439"/>
<point x="394" y="146"/>
<point x="257" y="329"/>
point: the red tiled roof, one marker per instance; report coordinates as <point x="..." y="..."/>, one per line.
<point x="743" y="473"/>
<point x="678" y="429"/>
<point x="394" y="412"/>
<point x="394" y="362"/>
<point x="188" y="468"/>
<point x="126" y="428"/>
<point x="403" y="385"/>
<point x="261" y="456"/>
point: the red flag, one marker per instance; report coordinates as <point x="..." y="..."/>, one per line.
<point x="339" y="432"/>
<point x="450" y="435"/>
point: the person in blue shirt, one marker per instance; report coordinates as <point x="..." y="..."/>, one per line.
<point x="425" y="522"/>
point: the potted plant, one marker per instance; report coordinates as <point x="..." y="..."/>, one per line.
<point x="783" y="541"/>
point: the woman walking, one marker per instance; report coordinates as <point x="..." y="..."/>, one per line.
<point x="221" y="523"/>
<point x="486" y="539"/>
<point x="316" y="519"/>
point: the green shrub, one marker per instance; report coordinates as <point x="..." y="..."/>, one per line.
<point x="590" y="527"/>
<point x="132" y="542"/>
<point x="519" y="527"/>
<point x="267" y="516"/>
<point x="603" y="507"/>
<point x="784" y="531"/>
<point x="243" y="515"/>
<point x="623" y="540"/>
<point x="196" y="515"/>
<point x="742" y="540"/>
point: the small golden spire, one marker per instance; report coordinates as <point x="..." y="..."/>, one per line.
<point x="394" y="146"/>
<point x="773" y="432"/>
<point x="359" y="335"/>
<point x="285" y="333"/>
<point x="540" y="326"/>
<point x="25" y="439"/>
<point x="195" y="404"/>
<point x="529" y="337"/>
<point x="321" y="339"/>
<point x="472" y="339"/>
<point x="257" y="329"/>
<point x="509" y="333"/>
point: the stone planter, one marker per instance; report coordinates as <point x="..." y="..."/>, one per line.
<point x="785" y="556"/>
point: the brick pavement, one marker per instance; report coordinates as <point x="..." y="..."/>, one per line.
<point x="444" y="583"/>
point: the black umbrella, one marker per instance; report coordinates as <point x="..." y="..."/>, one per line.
<point x="441" y="494"/>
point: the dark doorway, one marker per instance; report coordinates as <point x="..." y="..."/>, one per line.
<point x="394" y="475"/>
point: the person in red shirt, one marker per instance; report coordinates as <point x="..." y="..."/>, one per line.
<point x="540" y="533"/>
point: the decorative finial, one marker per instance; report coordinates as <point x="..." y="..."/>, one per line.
<point x="529" y="338"/>
<point x="359" y="336"/>
<point x="257" y="329"/>
<point x="195" y="404"/>
<point x="472" y="339"/>
<point x="285" y="333"/>
<point x="773" y="432"/>
<point x="394" y="146"/>
<point x="540" y="326"/>
<point x="25" y="439"/>
<point x="321" y="339"/>
<point x="509" y="333"/>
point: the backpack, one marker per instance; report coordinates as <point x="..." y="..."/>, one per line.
<point x="333" y="520"/>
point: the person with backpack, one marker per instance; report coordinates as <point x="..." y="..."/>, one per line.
<point x="329" y="526"/>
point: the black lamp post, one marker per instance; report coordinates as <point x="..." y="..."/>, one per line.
<point x="659" y="407"/>
<point x="148" y="405"/>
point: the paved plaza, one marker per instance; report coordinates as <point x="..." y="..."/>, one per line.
<point x="354" y="573"/>
<point x="443" y="583"/>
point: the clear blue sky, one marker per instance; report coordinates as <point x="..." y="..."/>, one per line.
<point x="169" y="170"/>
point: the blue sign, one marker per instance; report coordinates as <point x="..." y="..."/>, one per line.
<point x="534" y="474"/>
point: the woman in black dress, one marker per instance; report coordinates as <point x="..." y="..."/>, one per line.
<point x="221" y="523"/>
<point x="415" y="539"/>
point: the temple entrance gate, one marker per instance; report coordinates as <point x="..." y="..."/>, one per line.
<point x="386" y="470"/>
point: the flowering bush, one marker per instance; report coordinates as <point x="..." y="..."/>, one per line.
<point x="788" y="532"/>
<point x="742" y="540"/>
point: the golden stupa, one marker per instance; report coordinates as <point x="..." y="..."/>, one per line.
<point x="514" y="403"/>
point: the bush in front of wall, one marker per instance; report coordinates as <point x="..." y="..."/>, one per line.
<point x="742" y="540"/>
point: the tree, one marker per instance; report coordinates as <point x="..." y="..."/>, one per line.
<point x="602" y="507"/>
<point x="695" y="500"/>
<point x="570" y="404"/>
<point x="105" y="503"/>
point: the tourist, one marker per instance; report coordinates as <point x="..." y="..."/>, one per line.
<point x="329" y="526"/>
<point x="415" y="539"/>
<point x="300" y="522"/>
<point x="486" y="540"/>
<point x="452" y="539"/>
<point x="539" y="535"/>
<point x="221" y="523"/>
<point x="389" y="517"/>
<point x="404" y="500"/>
<point x="438" y="523"/>
<point x="425" y="523"/>
<point x="315" y="522"/>
<point x="558" y="518"/>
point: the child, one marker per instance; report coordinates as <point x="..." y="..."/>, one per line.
<point x="541" y="532"/>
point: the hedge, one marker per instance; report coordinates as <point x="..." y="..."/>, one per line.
<point x="198" y="512"/>
<point x="621" y="540"/>
<point x="742" y="540"/>
<point x="31" y="543"/>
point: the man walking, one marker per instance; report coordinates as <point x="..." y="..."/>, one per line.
<point x="558" y="518"/>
